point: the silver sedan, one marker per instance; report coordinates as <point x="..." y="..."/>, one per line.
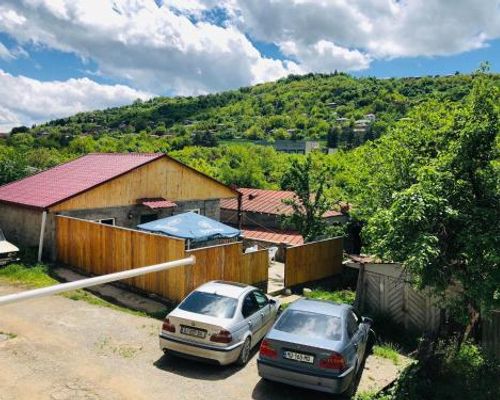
<point x="317" y="345"/>
<point x="219" y="321"/>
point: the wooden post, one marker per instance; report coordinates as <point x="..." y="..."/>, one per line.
<point x="360" y="288"/>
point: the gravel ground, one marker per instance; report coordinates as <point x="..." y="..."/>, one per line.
<point x="57" y="348"/>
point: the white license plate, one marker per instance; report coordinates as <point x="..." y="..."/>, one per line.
<point x="186" y="330"/>
<point x="305" y="358"/>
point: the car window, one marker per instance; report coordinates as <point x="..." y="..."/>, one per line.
<point x="210" y="304"/>
<point x="250" y="305"/>
<point x="352" y="324"/>
<point x="311" y="325"/>
<point x="261" y="299"/>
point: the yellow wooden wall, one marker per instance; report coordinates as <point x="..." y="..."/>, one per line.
<point x="163" y="177"/>
<point x="228" y="262"/>
<point x="99" y="249"/>
<point x="313" y="261"/>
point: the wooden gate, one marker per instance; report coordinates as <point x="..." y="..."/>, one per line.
<point x="385" y="288"/>
<point x="313" y="261"/>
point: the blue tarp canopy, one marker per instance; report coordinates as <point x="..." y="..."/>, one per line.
<point x="192" y="226"/>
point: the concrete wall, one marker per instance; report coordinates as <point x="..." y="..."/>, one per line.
<point x="208" y="208"/>
<point x="20" y="225"/>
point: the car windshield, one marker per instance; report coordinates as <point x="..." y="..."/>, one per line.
<point x="312" y="325"/>
<point x="2" y="236"/>
<point x="210" y="304"/>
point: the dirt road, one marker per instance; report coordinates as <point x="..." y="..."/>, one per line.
<point x="57" y="348"/>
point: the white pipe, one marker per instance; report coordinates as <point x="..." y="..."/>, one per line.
<point x="42" y="233"/>
<point x="97" y="280"/>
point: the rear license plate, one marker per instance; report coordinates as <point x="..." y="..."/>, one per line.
<point x="199" y="333"/>
<point x="300" y="357"/>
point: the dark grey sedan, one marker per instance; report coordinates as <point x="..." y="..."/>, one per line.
<point x="316" y="345"/>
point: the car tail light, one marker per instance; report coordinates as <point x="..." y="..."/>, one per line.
<point x="222" y="337"/>
<point x="266" y="350"/>
<point x="334" y="362"/>
<point x="168" y="326"/>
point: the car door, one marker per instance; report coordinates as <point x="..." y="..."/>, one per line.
<point x="265" y="311"/>
<point x="251" y="313"/>
<point x="355" y="335"/>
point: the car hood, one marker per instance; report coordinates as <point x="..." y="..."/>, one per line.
<point x="7" y="247"/>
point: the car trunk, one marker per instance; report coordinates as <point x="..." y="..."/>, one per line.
<point x="301" y="353"/>
<point x="195" y="327"/>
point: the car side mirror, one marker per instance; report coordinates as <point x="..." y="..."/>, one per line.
<point x="367" y="320"/>
<point x="272" y="301"/>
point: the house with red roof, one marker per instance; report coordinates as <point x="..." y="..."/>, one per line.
<point x="260" y="218"/>
<point x="117" y="189"/>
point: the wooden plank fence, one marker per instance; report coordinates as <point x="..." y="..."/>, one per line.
<point x="98" y="249"/>
<point x="385" y="288"/>
<point x="313" y="261"/>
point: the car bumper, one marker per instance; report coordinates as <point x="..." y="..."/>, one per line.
<point x="223" y="356"/>
<point x="5" y="261"/>
<point x="305" y="379"/>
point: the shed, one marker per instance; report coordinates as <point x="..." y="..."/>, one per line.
<point x="117" y="189"/>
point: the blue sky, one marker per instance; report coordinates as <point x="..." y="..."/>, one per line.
<point x="61" y="57"/>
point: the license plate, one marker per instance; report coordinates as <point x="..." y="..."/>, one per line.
<point x="186" y="330"/>
<point x="300" y="357"/>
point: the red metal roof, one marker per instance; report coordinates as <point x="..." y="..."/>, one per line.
<point x="266" y="202"/>
<point x="54" y="185"/>
<point x="289" y="237"/>
<point x="157" y="203"/>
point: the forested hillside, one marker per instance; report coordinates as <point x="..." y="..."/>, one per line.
<point x="312" y="106"/>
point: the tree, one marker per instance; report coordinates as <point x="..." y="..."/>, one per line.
<point x="442" y="221"/>
<point x="310" y="204"/>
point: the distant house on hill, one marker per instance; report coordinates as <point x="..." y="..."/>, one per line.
<point x="116" y="189"/>
<point x="296" y="146"/>
<point x="261" y="211"/>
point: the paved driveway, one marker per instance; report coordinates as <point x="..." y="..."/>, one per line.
<point x="65" y="349"/>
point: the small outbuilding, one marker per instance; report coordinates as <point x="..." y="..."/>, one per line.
<point x="116" y="189"/>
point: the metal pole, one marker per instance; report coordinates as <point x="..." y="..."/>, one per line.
<point x="42" y="233"/>
<point x="98" y="280"/>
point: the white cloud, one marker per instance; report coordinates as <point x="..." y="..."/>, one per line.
<point x="154" y="47"/>
<point x="27" y="101"/>
<point x="5" y="53"/>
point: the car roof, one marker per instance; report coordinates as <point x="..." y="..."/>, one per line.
<point x="224" y="288"/>
<point x="320" y="306"/>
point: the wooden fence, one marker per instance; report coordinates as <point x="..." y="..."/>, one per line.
<point x="228" y="262"/>
<point x="491" y="333"/>
<point x="99" y="249"/>
<point x="313" y="261"/>
<point x="385" y="288"/>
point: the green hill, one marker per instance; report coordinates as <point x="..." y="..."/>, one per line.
<point x="312" y="106"/>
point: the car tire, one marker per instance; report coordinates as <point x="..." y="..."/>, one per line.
<point x="245" y="352"/>
<point x="349" y="393"/>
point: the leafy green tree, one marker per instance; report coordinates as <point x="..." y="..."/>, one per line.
<point x="310" y="204"/>
<point x="12" y="165"/>
<point x="440" y="215"/>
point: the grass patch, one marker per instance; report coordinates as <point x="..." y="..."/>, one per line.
<point x="8" y="334"/>
<point x="337" y="296"/>
<point x="388" y="351"/>
<point x="36" y="275"/>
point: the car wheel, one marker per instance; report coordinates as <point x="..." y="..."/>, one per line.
<point x="351" y="389"/>
<point x="245" y="352"/>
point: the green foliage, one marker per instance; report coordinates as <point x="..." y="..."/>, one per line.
<point x="33" y="275"/>
<point x="388" y="351"/>
<point x="428" y="193"/>
<point x="310" y="204"/>
<point x="445" y="374"/>
<point x="337" y="296"/>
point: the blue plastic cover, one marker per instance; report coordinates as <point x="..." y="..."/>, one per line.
<point x="192" y="226"/>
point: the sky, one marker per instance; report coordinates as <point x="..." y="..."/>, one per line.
<point x="60" y="57"/>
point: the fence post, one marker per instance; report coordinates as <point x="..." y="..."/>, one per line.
<point x="360" y="288"/>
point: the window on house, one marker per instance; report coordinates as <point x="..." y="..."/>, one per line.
<point x="195" y="210"/>
<point x="148" y="218"/>
<point x="107" y="221"/>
